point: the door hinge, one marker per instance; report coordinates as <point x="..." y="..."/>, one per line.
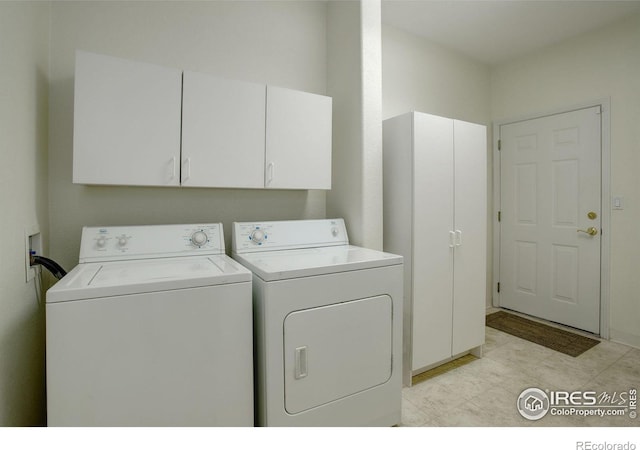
<point x="499" y="144"/>
<point x="499" y="216"/>
<point x="498" y="286"/>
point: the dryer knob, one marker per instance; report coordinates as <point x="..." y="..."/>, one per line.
<point x="199" y="238"/>
<point x="257" y="236"/>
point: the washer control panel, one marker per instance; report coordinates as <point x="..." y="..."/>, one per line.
<point x="152" y="241"/>
<point x="291" y="234"/>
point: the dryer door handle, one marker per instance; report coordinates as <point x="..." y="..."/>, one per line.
<point x="301" y="362"/>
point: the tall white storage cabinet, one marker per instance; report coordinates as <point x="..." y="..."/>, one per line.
<point x="435" y="200"/>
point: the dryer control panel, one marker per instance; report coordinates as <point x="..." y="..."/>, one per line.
<point x="290" y="234"/>
<point x="150" y="241"/>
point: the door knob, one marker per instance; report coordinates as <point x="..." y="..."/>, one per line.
<point x="591" y="231"/>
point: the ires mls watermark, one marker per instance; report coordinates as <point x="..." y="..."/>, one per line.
<point x="534" y="403"/>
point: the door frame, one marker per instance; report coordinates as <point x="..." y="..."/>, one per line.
<point x="605" y="193"/>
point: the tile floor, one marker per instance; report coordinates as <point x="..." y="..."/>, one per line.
<point x="484" y="392"/>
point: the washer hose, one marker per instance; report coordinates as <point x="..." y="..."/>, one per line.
<point x="49" y="264"/>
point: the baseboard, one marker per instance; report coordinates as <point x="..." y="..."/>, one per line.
<point x="625" y="338"/>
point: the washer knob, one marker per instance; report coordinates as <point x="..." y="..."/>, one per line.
<point x="334" y="231"/>
<point x="122" y="241"/>
<point x="199" y="238"/>
<point x="101" y="242"/>
<point x="257" y="236"/>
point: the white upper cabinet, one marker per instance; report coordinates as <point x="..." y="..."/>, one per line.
<point x="223" y="132"/>
<point x="146" y="125"/>
<point x="298" y="140"/>
<point x="126" y="122"/>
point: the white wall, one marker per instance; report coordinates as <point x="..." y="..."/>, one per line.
<point x="278" y="43"/>
<point x="344" y="84"/>
<point x="354" y="81"/>
<point x="601" y="64"/>
<point x="418" y="75"/>
<point x="24" y="56"/>
<point x="371" y="50"/>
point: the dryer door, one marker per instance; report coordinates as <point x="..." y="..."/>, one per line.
<point x="334" y="351"/>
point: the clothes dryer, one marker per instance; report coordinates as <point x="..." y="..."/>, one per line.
<point x="152" y="328"/>
<point x="327" y="325"/>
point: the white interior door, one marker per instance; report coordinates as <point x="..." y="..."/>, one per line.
<point x="550" y="196"/>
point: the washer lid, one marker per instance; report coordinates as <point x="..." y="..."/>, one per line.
<point x="286" y="264"/>
<point x="93" y="280"/>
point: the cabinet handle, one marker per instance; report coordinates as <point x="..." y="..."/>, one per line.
<point x="301" y="362"/>
<point x="451" y="239"/>
<point x="173" y="168"/>
<point x="270" y="172"/>
<point x="458" y="238"/>
<point x="187" y="173"/>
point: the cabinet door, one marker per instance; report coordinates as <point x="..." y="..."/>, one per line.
<point x="126" y="122"/>
<point x="223" y="132"/>
<point x="298" y="146"/>
<point x="470" y="272"/>
<point x="432" y="245"/>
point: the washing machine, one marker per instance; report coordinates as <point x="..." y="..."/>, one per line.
<point x="152" y="328"/>
<point x="327" y="325"/>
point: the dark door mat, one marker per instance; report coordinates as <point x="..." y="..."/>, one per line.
<point x="554" y="338"/>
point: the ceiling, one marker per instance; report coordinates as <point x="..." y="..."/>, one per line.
<point x="495" y="31"/>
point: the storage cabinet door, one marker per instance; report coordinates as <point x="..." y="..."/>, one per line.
<point x="223" y="132"/>
<point x="469" y="301"/>
<point x="298" y="140"/>
<point x="126" y="122"/>
<point x="433" y="250"/>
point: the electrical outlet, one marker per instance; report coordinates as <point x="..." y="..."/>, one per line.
<point x="32" y="241"/>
